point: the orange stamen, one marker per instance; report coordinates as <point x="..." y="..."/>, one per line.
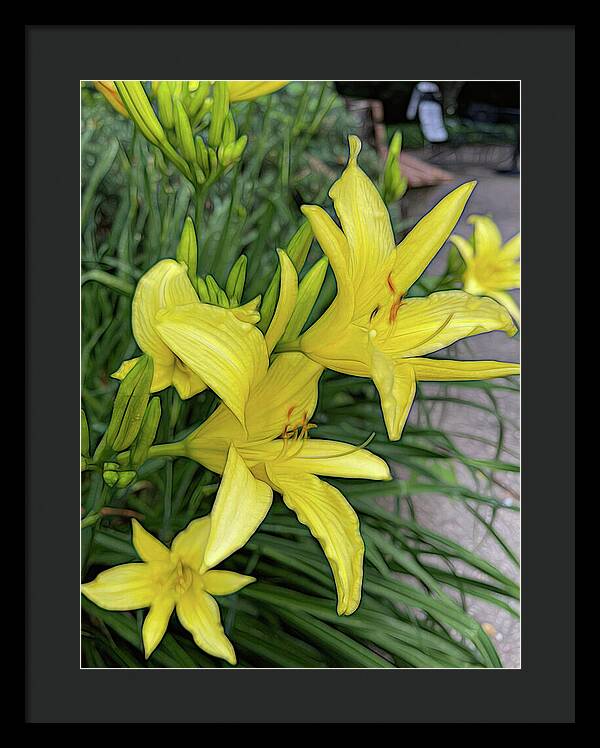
<point x="394" y="308"/>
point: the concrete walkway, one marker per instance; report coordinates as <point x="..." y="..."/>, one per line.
<point x="497" y="195"/>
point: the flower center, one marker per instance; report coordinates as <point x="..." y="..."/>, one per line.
<point x="296" y="430"/>
<point x="180" y="579"/>
<point x="389" y="308"/>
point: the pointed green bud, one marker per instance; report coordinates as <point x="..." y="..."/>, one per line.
<point x="220" y="109"/>
<point x="140" y="110"/>
<point x="299" y="245"/>
<point x="85" y="435"/>
<point x="239" y="147"/>
<point x="224" y="154"/>
<point x="308" y="291"/>
<point x="297" y="251"/>
<point x="213" y="162"/>
<point x="198" y="98"/>
<point x="146" y="435"/>
<point x="229" y="130"/>
<point x="202" y="112"/>
<point x="234" y="288"/>
<point x="125" y="478"/>
<point x="202" y="155"/>
<point x="110" y="473"/>
<point x="199" y="174"/>
<point x="183" y="129"/>
<point x="394" y="183"/>
<point x="203" y="290"/>
<point x="395" y="144"/>
<point x="165" y="105"/>
<point x="176" y="89"/>
<point x="213" y="289"/>
<point x="130" y="405"/>
<point x="187" y="250"/>
<point x="222" y="299"/>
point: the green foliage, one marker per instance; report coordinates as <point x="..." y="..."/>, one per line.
<point x="414" y="610"/>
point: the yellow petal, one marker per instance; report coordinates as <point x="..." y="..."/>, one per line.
<point x="512" y="249"/>
<point x="190" y="544"/>
<point x="147" y="547"/>
<point x="335" y="246"/>
<point x="156" y="622"/>
<point x="341" y="347"/>
<point x="248" y="312"/>
<point x="396" y="385"/>
<point x="245" y="90"/>
<point x="125" y="587"/>
<point x="507" y="301"/>
<point x="464" y="247"/>
<point x="286" y="395"/>
<point x="335" y="459"/>
<point x="165" y="284"/>
<point x="429" y="323"/>
<point x="416" y="251"/>
<point x="225" y="582"/>
<point x="241" y="504"/>
<point x="500" y="276"/>
<point x="211" y="451"/>
<point x="488" y="238"/>
<point x="227" y="354"/>
<point x="364" y="217"/>
<point x="186" y="382"/>
<point x="447" y="370"/>
<point x="199" y="614"/>
<point x="288" y="295"/>
<point x="334" y="523"/>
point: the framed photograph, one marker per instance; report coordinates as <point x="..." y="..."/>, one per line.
<point x="293" y="318"/>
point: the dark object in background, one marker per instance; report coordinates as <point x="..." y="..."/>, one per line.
<point x="483" y="101"/>
<point x="493" y="103"/>
<point x="394" y="95"/>
<point x="488" y="96"/>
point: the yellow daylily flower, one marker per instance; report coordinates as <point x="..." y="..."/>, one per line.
<point x="195" y="345"/>
<point x="246" y="90"/>
<point x="492" y="268"/>
<point x="171" y="579"/>
<point x="370" y="329"/>
<point x="275" y="454"/>
<point x="110" y="93"/>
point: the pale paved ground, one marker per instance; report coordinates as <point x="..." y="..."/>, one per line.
<point x="499" y="196"/>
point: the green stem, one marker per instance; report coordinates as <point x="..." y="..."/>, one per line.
<point x="103" y="498"/>
<point x="200" y="193"/>
<point x="288" y="345"/>
<point x="90" y="520"/>
<point x="223" y="257"/>
<point x="176" y="449"/>
<point x="200" y="205"/>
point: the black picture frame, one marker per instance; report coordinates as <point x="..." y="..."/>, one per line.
<point x="57" y="58"/>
